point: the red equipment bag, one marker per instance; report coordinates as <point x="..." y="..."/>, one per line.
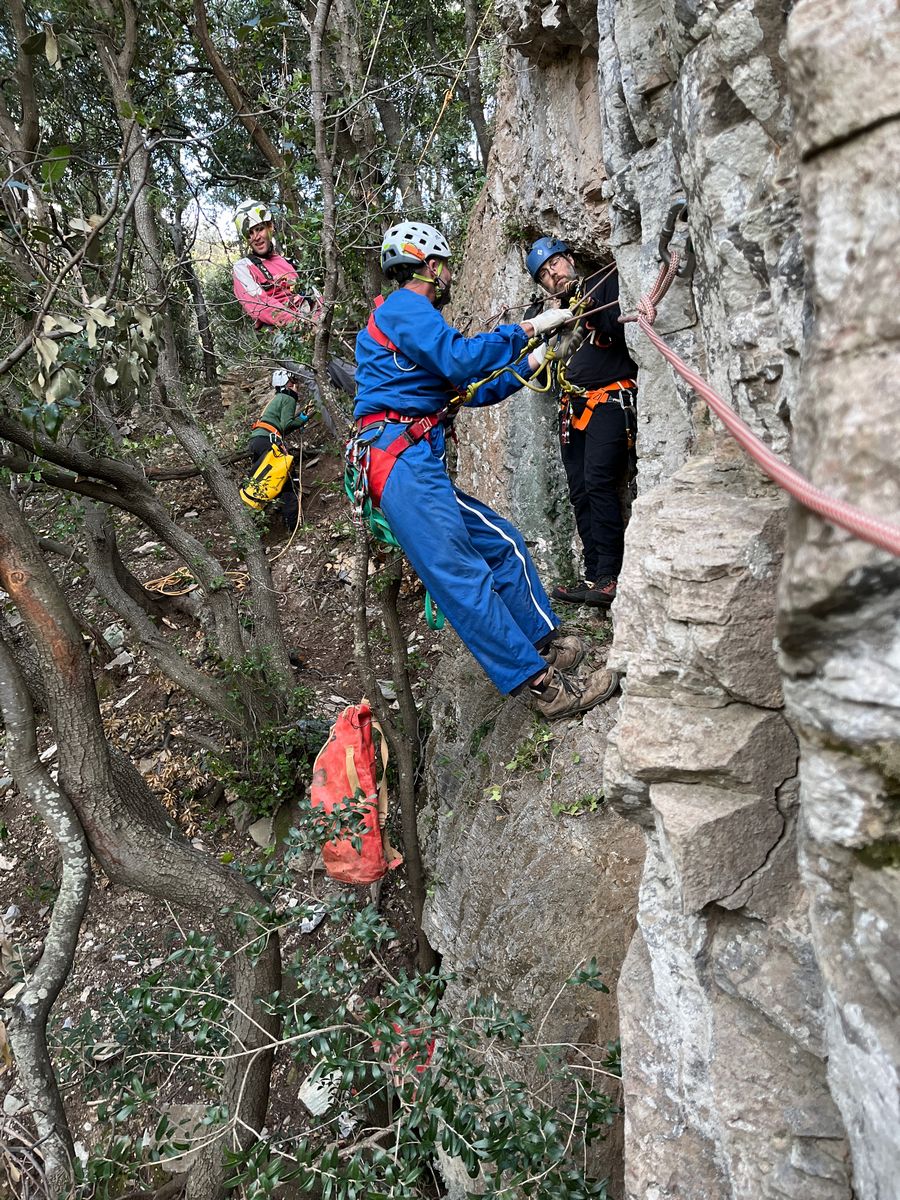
<point x="345" y="767"/>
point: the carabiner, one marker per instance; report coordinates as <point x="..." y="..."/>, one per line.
<point x="677" y="212"/>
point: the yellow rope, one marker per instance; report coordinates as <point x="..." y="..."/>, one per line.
<point x="450" y="90"/>
<point x="544" y="367"/>
<point x="184" y="581"/>
<point x="297" y="523"/>
<point x="166" y="583"/>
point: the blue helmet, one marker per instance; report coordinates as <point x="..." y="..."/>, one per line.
<point x="541" y="250"/>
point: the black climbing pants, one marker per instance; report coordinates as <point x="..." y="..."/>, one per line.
<point x="286" y="504"/>
<point x="596" y="461"/>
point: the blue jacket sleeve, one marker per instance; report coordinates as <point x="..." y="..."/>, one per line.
<point x="421" y="333"/>
<point x="501" y="387"/>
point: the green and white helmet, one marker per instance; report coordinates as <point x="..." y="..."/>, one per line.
<point x="411" y="243"/>
<point x="248" y="214"/>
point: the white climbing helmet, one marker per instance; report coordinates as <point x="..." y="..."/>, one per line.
<point x="411" y="243"/>
<point x="248" y="214"/>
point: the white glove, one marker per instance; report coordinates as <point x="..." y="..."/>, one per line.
<point x="536" y="357"/>
<point x="550" y="319"/>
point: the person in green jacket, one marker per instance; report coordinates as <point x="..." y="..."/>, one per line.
<point x="282" y="415"/>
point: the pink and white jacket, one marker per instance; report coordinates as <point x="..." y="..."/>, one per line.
<point x="263" y="287"/>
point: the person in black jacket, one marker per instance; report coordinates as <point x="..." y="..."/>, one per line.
<point x="597" y="416"/>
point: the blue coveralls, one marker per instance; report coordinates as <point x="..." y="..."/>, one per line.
<point x="474" y="563"/>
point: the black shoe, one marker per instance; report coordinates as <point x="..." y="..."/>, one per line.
<point x="570" y="592"/>
<point x="601" y="594"/>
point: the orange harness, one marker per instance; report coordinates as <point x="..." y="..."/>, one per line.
<point x="265" y="425"/>
<point x="601" y="395"/>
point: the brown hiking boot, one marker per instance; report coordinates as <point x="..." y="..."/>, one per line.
<point x="564" y="653"/>
<point x="563" y="696"/>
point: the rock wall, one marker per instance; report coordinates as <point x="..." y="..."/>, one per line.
<point x="758" y="999"/>
<point x="523" y="894"/>
<point x="839" y="613"/>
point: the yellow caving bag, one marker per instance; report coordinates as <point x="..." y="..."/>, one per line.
<point x="269" y="478"/>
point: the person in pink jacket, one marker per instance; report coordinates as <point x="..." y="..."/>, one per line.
<point x="265" y="282"/>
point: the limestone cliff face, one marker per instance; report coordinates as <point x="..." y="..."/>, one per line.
<point x="756" y="742"/>
<point x="839" y="634"/>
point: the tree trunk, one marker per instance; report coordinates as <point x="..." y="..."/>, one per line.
<point x="101" y="541"/>
<point x="325" y="163"/>
<point x="268" y="630"/>
<point x="135" y="841"/>
<point x="26" y="1013"/>
<point x="131" y="492"/>
<point x="242" y="108"/>
<point x="189" y="275"/>
<point x="404" y="741"/>
<point x="474" y="98"/>
<point x="406" y="751"/>
<point x="395" y="135"/>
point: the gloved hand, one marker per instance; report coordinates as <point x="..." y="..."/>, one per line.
<point x="537" y="357"/>
<point x="550" y="319"/>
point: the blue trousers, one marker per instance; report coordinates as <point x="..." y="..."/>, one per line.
<point x="475" y="563"/>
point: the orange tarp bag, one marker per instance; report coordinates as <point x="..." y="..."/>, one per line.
<point x="346" y="768"/>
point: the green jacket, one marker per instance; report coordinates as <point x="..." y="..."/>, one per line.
<point x="281" y="411"/>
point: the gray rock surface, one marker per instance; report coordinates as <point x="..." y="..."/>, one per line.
<point x="839" y="606"/>
<point x="522" y="892"/>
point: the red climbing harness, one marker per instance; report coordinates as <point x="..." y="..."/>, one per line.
<point x="372" y="463"/>
<point x="375" y="333"/>
<point x="380" y="463"/>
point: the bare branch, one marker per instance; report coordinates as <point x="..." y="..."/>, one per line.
<point x="232" y="90"/>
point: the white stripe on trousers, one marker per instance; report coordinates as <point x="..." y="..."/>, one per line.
<point x="518" y="552"/>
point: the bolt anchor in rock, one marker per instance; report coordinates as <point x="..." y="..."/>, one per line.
<point x="678" y="211"/>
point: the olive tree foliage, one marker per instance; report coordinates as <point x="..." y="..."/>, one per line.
<point x="389" y="101"/>
<point x="116" y="121"/>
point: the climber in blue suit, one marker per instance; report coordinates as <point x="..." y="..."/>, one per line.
<point x="475" y="564"/>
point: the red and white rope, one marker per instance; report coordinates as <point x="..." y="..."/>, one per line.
<point x="838" y="512"/>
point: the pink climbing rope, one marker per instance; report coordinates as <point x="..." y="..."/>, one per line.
<point x="837" y="512"/>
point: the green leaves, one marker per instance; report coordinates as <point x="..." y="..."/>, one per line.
<point x="589" y="975"/>
<point x="54" y="165"/>
<point x="447" y="1078"/>
<point x="66" y="350"/>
